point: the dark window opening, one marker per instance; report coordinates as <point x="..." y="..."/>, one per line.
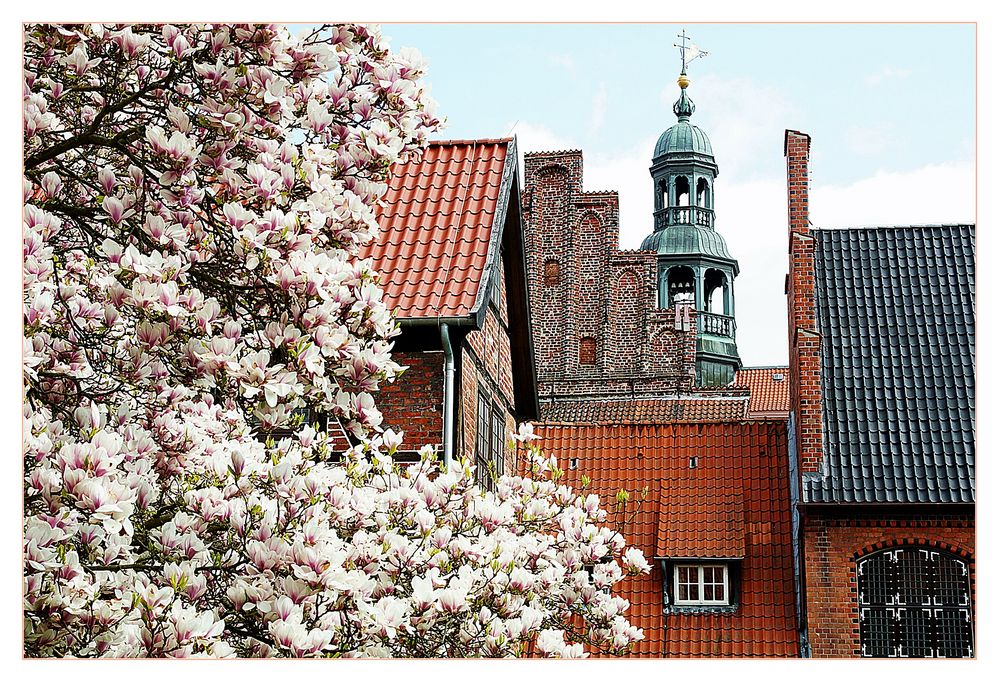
<point x="587" y="351"/>
<point x="682" y="191"/>
<point x="714" y="292"/>
<point x="552" y="276"/>
<point x="680" y="285"/>
<point x="664" y="195"/>
<point x="914" y="603"/>
<point x="703" y="193"/>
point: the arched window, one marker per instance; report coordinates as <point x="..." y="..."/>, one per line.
<point x="587" y="351"/>
<point x="663" y="194"/>
<point x="682" y="191"/>
<point x="914" y="603"/>
<point x="703" y="193"/>
<point x="551" y="276"/>
<point x="680" y="285"/>
<point x="714" y="291"/>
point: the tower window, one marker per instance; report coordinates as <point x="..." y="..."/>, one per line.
<point x="587" y="351"/>
<point x="682" y="191"/>
<point x="552" y="275"/>
<point x="664" y="195"/>
<point x="714" y="292"/>
<point x="680" y="285"/>
<point x="703" y="193"/>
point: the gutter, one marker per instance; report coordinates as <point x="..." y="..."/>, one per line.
<point x="467" y="321"/>
<point x="446" y="438"/>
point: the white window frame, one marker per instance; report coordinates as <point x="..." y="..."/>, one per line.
<point x="700" y="586"/>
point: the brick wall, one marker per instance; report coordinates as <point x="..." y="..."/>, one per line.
<point x="414" y="403"/>
<point x="803" y="333"/>
<point x="832" y="547"/>
<point x="473" y="380"/>
<point x="603" y="293"/>
<point x="486" y="365"/>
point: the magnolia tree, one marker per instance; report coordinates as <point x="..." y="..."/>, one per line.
<point x="194" y="198"/>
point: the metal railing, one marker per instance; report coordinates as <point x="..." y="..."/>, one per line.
<point x="684" y="215"/>
<point x="719" y="325"/>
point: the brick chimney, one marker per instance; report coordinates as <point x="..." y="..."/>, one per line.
<point x="803" y="336"/>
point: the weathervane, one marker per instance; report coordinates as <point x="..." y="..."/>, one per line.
<point x="688" y="53"/>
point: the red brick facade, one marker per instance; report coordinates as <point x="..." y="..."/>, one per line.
<point x="803" y="341"/>
<point x="583" y="287"/>
<point x="832" y="546"/>
<point x="414" y="403"/>
<point x="486" y="367"/>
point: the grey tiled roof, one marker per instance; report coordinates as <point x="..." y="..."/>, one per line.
<point x="896" y="312"/>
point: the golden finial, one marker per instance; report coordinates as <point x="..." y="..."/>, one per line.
<point x="683" y="81"/>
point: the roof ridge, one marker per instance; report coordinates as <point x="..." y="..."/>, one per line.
<point x="467" y="141"/>
<point x="844" y="228"/>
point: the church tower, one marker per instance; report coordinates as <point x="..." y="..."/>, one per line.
<point x="693" y="263"/>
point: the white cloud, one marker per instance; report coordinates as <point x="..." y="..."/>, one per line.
<point x="886" y="73"/>
<point x="939" y="193"/>
<point x="564" y="60"/>
<point x="598" y="114"/>
<point x="870" y="140"/>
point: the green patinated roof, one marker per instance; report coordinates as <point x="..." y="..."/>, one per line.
<point x="683" y="138"/>
<point x="687" y="240"/>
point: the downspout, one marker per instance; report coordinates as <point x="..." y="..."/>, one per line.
<point x="447" y="440"/>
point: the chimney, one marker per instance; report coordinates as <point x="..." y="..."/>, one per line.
<point x="803" y="336"/>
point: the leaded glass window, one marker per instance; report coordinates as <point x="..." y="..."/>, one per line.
<point x="914" y="603"/>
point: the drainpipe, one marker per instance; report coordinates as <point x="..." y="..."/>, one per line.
<point x="448" y="397"/>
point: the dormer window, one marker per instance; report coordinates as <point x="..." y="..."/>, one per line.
<point x="701" y="585"/>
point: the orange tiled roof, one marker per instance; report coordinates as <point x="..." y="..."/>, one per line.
<point x="644" y="411"/>
<point x="769" y="395"/>
<point x="436" y="225"/>
<point x="699" y="520"/>
<point x="747" y="459"/>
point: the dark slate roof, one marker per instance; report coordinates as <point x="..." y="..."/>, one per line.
<point x="896" y="312"/>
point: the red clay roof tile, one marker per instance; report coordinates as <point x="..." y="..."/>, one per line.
<point x="740" y="460"/>
<point x="699" y="519"/>
<point x="436" y="223"/>
<point x="768" y="389"/>
<point x="661" y="411"/>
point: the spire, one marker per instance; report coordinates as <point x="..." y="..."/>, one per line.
<point x="684" y="107"/>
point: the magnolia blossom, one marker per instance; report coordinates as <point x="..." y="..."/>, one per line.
<point x="195" y="198"/>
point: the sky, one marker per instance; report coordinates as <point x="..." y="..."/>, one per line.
<point x="890" y="109"/>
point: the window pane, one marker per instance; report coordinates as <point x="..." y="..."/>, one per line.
<point x="915" y="630"/>
<point x="482" y="439"/>
<point x="499" y="425"/>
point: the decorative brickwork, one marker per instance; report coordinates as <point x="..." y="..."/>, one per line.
<point x="583" y="288"/>
<point x="832" y="547"/>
